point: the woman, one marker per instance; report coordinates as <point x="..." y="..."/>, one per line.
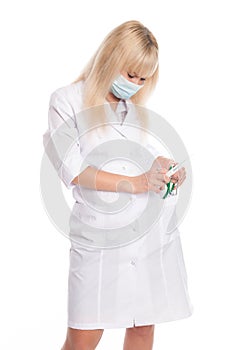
<point x="140" y="280"/>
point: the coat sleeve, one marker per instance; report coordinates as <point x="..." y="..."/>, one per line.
<point x="61" y="140"/>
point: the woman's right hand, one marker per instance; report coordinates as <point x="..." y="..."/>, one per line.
<point x="156" y="179"/>
<point x="152" y="180"/>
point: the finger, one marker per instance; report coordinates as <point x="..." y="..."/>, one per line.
<point x="164" y="177"/>
<point x="154" y="188"/>
<point x="157" y="179"/>
<point x="166" y="162"/>
<point x="162" y="187"/>
<point x="157" y="187"/>
<point x="174" y="180"/>
<point x="180" y="182"/>
<point x="161" y="184"/>
<point x="179" y="173"/>
<point x="182" y="172"/>
<point x="161" y="176"/>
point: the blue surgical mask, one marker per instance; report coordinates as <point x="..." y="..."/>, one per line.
<point x="123" y="88"/>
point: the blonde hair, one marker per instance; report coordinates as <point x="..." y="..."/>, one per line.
<point x="130" y="47"/>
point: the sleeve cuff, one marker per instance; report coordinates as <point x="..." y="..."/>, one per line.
<point x="69" y="170"/>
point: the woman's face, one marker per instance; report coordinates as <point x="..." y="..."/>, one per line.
<point x="133" y="77"/>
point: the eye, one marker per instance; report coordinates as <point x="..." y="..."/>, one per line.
<point x="130" y="76"/>
<point x="133" y="76"/>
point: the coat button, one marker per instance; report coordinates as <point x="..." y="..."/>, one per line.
<point x="133" y="263"/>
<point x="123" y="167"/>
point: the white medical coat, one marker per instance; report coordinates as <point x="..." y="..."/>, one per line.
<point x="124" y="267"/>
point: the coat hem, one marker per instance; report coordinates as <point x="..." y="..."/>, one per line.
<point x="124" y="324"/>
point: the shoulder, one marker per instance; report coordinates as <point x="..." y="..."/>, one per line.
<point x="68" y="95"/>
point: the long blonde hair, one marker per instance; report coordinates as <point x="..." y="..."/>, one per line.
<point x="130" y="47"/>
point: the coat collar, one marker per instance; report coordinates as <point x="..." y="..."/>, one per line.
<point x="130" y="118"/>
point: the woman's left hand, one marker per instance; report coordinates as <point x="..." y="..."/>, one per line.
<point x="179" y="177"/>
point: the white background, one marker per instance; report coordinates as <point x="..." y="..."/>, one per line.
<point x="44" y="45"/>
